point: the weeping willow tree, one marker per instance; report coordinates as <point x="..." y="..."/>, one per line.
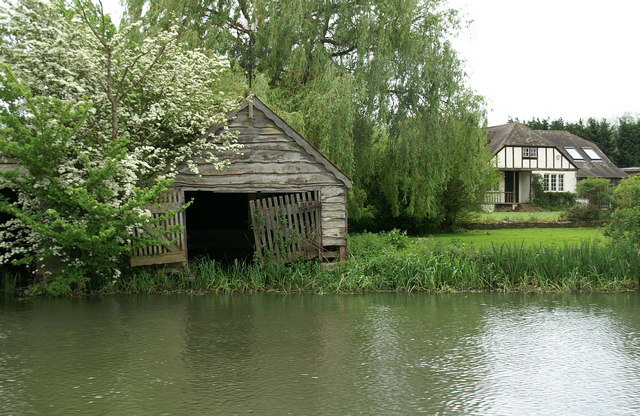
<point x="374" y="84"/>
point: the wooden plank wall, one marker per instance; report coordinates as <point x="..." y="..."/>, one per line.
<point x="7" y="164"/>
<point x="271" y="161"/>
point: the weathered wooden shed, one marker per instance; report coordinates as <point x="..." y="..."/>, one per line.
<point x="280" y="198"/>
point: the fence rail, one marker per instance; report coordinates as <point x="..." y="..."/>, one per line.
<point x="498" y="197"/>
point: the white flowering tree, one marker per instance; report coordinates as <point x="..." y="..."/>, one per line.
<point x="99" y="120"/>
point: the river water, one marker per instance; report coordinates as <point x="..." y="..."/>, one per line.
<point x="266" y="354"/>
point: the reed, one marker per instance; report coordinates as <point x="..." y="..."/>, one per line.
<point x="504" y="267"/>
<point x="9" y="281"/>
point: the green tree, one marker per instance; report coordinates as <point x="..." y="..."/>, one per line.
<point x="73" y="221"/>
<point x="375" y="84"/>
<point x="596" y="190"/>
<point x="625" y="220"/>
<point x="115" y="115"/>
<point x="628" y="142"/>
<point x="598" y="193"/>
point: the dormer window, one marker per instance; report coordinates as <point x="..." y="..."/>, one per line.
<point x="591" y="153"/>
<point x="573" y="152"/>
<point x="529" y="152"/>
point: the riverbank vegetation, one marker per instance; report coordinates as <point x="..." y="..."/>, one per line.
<point x="586" y="266"/>
<point x="542" y="260"/>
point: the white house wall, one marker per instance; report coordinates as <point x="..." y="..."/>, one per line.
<point x="524" y="185"/>
<point x="570" y="178"/>
<point x="524" y="179"/>
<point x="510" y="157"/>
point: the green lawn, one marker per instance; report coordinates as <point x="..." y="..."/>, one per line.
<point x="517" y="216"/>
<point x="525" y="236"/>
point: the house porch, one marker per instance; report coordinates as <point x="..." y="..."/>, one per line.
<point x="513" y="189"/>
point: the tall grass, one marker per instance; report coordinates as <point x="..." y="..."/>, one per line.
<point x="9" y="281"/>
<point x="585" y="267"/>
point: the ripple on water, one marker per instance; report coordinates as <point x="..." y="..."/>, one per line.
<point x="372" y="354"/>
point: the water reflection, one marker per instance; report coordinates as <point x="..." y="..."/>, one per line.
<point x="304" y="354"/>
<point x="547" y="356"/>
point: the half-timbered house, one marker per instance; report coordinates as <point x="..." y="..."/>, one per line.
<point x="559" y="157"/>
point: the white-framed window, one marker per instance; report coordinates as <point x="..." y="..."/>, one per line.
<point x="529" y="152"/>
<point x="573" y="152"/>
<point x="552" y="182"/>
<point x="591" y="153"/>
<point x="561" y="183"/>
<point x="545" y="182"/>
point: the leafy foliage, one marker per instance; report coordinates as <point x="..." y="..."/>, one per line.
<point x="373" y="84"/>
<point x="584" y="212"/>
<point x="74" y="221"/>
<point x="596" y="190"/>
<point x="554" y="201"/>
<point x="115" y="116"/>
<point x="628" y="142"/>
<point x="625" y="219"/>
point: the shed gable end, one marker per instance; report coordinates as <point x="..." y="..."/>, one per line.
<point x="271" y="159"/>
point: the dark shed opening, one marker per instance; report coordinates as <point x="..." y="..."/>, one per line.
<point x="219" y="226"/>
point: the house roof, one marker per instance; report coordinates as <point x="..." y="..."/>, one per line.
<point x="297" y="137"/>
<point x="588" y="167"/>
<point x="515" y="134"/>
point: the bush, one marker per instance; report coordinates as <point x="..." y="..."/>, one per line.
<point x="551" y="201"/>
<point x="583" y="212"/>
<point x="596" y="190"/>
<point x="372" y="244"/>
<point x="625" y="219"/>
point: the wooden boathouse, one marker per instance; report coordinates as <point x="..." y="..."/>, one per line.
<point x="280" y="199"/>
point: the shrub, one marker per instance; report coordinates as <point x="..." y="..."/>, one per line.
<point x="552" y="201"/>
<point x="596" y="190"/>
<point x="625" y="219"/>
<point x="583" y="212"/>
<point x="598" y="193"/>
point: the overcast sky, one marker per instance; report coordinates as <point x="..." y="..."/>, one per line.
<point x="549" y="58"/>
<point x="553" y="58"/>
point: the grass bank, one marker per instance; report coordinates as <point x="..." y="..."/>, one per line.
<point x="528" y="237"/>
<point x="517" y="216"/>
<point x="394" y="262"/>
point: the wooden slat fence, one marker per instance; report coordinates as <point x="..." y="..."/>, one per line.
<point x="176" y="251"/>
<point x="287" y="227"/>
